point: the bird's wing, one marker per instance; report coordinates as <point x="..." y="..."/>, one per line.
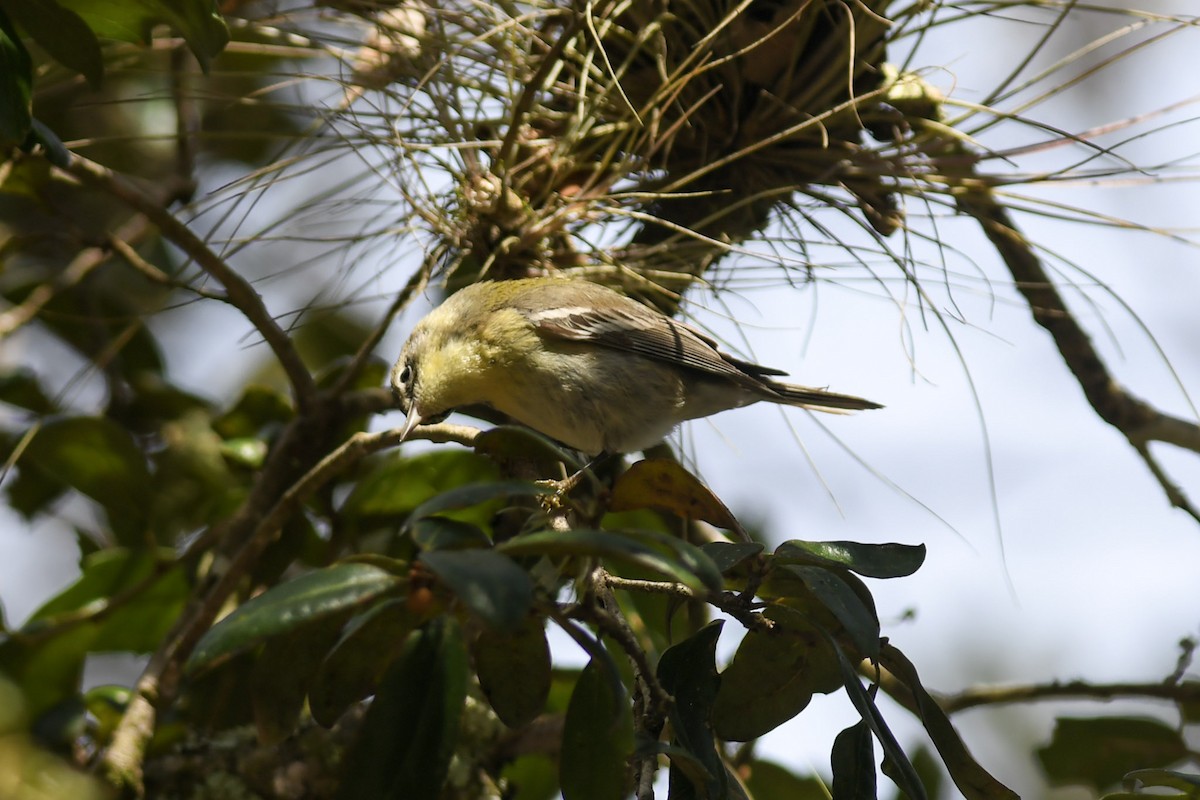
<point x="629" y="327"/>
<point x="608" y="320"/>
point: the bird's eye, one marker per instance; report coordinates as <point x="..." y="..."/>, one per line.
<point x="406" y="375"/>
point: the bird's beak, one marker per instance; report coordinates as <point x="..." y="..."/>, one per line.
<point x="411" y="421"/>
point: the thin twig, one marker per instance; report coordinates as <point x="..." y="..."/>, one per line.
<point x="978" y="696"/>
<point x="652" y="702"/>
<point x="735" y="605"/>
<point x="240" y="292"/>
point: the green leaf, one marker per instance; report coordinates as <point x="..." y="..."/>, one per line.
<point x="659" y="553"/>
<point x="597" y="740"/>
<point x="16" y="87"/>
<point x="97" y="458"/>
<point x="835" y="594"/>
<point x="968" y="775"/>
<point x="49" y="671"/>
<point x="394" y="485"/>
<point x="441" y="533"/>
<point x="283" y="673"/>
<point x="853" y="762"/>
<point x="258" y="409"/>
<point x="531" y="777"/>
<point x="773" y="676"/>
<point x="136" y="597"/>
<point x="1142" y="778"/>
<point x="61" y="33"/>
<point x="357" y="662"/>
<point x="514" y="671"/>
<point x="730" y="555"/>
<point x="403" y="749"/>
<point x="767" y="780"/>
<point x="132" y="20"/>
<point x="489" y="583"/>
<point x="688" y="672"/>
<point x="122" y="602"/>
<point x="871" y="560"/>
<point x="1098" y="751"/>
<point x="285" y="607"/>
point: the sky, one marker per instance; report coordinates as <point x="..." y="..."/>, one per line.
<point x="1053" y="553"/>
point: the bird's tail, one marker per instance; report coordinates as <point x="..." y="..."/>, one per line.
<point x="818" y="399"/>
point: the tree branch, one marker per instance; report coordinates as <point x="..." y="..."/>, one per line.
<point x="1136" y="419"/>
<point x="977" y="696"/>
<point x="1184" y="692"/>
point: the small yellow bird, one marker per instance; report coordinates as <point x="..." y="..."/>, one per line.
<point x="581" y="363"/>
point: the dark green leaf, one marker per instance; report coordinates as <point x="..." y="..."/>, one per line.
<point x="32" y="491"/>
<point x="477" y="494"/>
<point x="773" y="676"/>
<point x="729" y="555"/>
<point x="659" y="553"/>
<point x="871" y="560"/>
<point x="283" y="673"/>
<point x="853" y="762"/>
<point x="20" y="387"/>
<point x="440" y="533"/>
<point x="55" y="151"/>
<point x="688" y="672"/>
<point x="97" y="458"/>
<point x="896" y="764"/>
<point x="968" y="775"/>
<point x="403" y="749"/>
<point x="1098" y="751"/>
<point x="489" y="583"/>
<point x="597" y="740"/>
<point x="835" y="594"/>
<point x="514" y="671"/>
<point x="356" y="663"/>
<point x="62" y="34"/>
<point x="131" y="21"/>
<point x="506" y="444"/>
<point x="285" y="607"/>
<point x="16" y="87"/>
<point x="689" y="778"/>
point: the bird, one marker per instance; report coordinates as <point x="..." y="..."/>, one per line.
<point x="581" y="363"/>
